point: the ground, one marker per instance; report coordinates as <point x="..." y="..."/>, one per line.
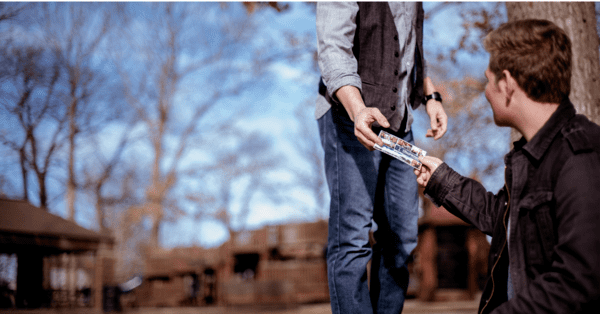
<point x="411" y="306"/>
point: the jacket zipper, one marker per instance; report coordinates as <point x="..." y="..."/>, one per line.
<point x="501" y="250"/>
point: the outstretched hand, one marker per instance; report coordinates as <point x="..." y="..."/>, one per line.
<point x="362" y="127"/>
<point x="430" y="164"/>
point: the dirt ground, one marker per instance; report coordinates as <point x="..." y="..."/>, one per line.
<point x="410" y="307"/>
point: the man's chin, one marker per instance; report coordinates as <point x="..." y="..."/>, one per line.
<point x="501" y="123"/>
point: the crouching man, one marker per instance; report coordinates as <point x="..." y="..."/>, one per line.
<point x="545" y="221"/>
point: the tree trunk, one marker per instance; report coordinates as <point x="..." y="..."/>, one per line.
<point x="578" y="20"/>
<point x="23" y="162"/>
<point x="71" y="186"/>
<point x="99" y="208"/>
<point x="43" y="193"/>
<point x="156" y="194"/>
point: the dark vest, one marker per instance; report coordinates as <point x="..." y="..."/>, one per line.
<point x="376" y="50"/>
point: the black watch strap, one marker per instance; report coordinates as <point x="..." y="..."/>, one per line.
<point x="435" y="96"/>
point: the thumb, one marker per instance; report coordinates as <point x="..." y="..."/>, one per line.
<point x="381" y="119"/>
<point x="430" y="162"/>
<point x="434" y="122"/>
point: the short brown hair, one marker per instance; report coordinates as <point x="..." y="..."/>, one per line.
<point x="537" y="53"/>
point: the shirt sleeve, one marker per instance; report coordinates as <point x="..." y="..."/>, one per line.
<point x="465" y="198"/>
<point x="420" y="28"/>
<point x="336" y="26"/>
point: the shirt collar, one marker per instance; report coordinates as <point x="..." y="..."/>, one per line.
<point x="544" y="137"/>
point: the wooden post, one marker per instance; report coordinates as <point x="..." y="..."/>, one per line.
<point x="97" y="284"/>
<point x="428" y="256"/>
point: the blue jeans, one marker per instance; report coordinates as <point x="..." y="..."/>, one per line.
<point x="366" y="186"/>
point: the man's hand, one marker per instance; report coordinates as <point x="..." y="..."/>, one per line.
<point x="362" y="126"/>
<point x="439" y="120"/>
<point x="362" y="116"/>
<point x="430" y="164"/>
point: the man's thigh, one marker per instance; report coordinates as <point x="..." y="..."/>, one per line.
<point x="352" y="178"/>
<point x="396" y="210"/>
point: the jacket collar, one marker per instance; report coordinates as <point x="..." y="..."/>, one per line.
<point x="541" y="141"/>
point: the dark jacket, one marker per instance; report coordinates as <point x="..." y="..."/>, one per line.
<point x="552" y="196"/>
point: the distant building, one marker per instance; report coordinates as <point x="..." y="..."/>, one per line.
<point x="272" y="265"/>
<point x="285" y="264"/>
<point x="59" y="263"/>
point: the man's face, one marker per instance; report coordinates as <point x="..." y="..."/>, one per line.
<point x="496" y="97"/>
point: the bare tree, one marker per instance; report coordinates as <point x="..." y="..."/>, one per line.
<point x="9" y="11"/>
<point x="309" y="148"/>
<point x="103" y="168"/>
<point x="241" y="172"/>
<point x="26" y="69"/>
<point x="76" y="36"/>
<point x="191" y="64"/>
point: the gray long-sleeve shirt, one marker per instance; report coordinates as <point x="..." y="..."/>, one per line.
<point x="336" y="26"/>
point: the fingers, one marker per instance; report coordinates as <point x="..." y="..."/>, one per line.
<point x="422" y="176"/>
<point x="362" y="127"/>
<point x="442" y="124"/>
<point x="431" y="163"/>
<point x="438" y="120"/>
<point x="381" y="119"/>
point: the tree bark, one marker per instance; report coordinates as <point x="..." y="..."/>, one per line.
<point x="23" y="163"/>
<point x="71" y="186"/>
<point x="578" y="20"/>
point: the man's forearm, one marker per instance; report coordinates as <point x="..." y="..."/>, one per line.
<point x="428" y="87"/>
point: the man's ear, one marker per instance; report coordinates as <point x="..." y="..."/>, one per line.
<point x="510" y="84"/>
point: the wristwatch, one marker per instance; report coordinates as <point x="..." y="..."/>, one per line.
<point x="435" y="96"/>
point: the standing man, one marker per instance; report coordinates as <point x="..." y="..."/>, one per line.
<point x="371" y="61"/>
<point x="545" y="221"/>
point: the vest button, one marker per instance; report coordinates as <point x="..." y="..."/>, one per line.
<point x="396" y="54"/>
<point x="396" y="37"/>
<point x="393" y="107"/>
<point x="394" y="90"/>
<point x="396" y="72"/>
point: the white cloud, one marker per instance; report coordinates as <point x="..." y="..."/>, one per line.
<point x="286" y="72"/>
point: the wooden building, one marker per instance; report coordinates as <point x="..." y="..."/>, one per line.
<point x="450" y="261"/>
<point x="180" y="276"/>
<point x="281" y="264"/>
<point x="48" y="246"/>
<point x="286" y="264"/>
<point x="277" y="265"/>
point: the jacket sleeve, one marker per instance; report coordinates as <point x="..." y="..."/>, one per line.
<point x="572" y="284"/>
<point x="465" y="198"/>
<point x="336" y="26"/>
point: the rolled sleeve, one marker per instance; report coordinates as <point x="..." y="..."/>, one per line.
<point x="336" y="26"/>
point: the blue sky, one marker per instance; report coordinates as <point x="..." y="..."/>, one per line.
<point x="272" y="110"/>
<point x="294" y="85"/>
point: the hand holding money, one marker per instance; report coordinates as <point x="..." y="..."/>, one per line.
<point x="429" y="165"/>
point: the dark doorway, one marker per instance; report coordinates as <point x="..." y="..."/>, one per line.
<point x="246" y="265"/>
<point x="453" y="257"/>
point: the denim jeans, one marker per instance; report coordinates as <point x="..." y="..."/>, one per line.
<point x="366" y="186"/>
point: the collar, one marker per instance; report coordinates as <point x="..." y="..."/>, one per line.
<point x="543" y="138"/>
